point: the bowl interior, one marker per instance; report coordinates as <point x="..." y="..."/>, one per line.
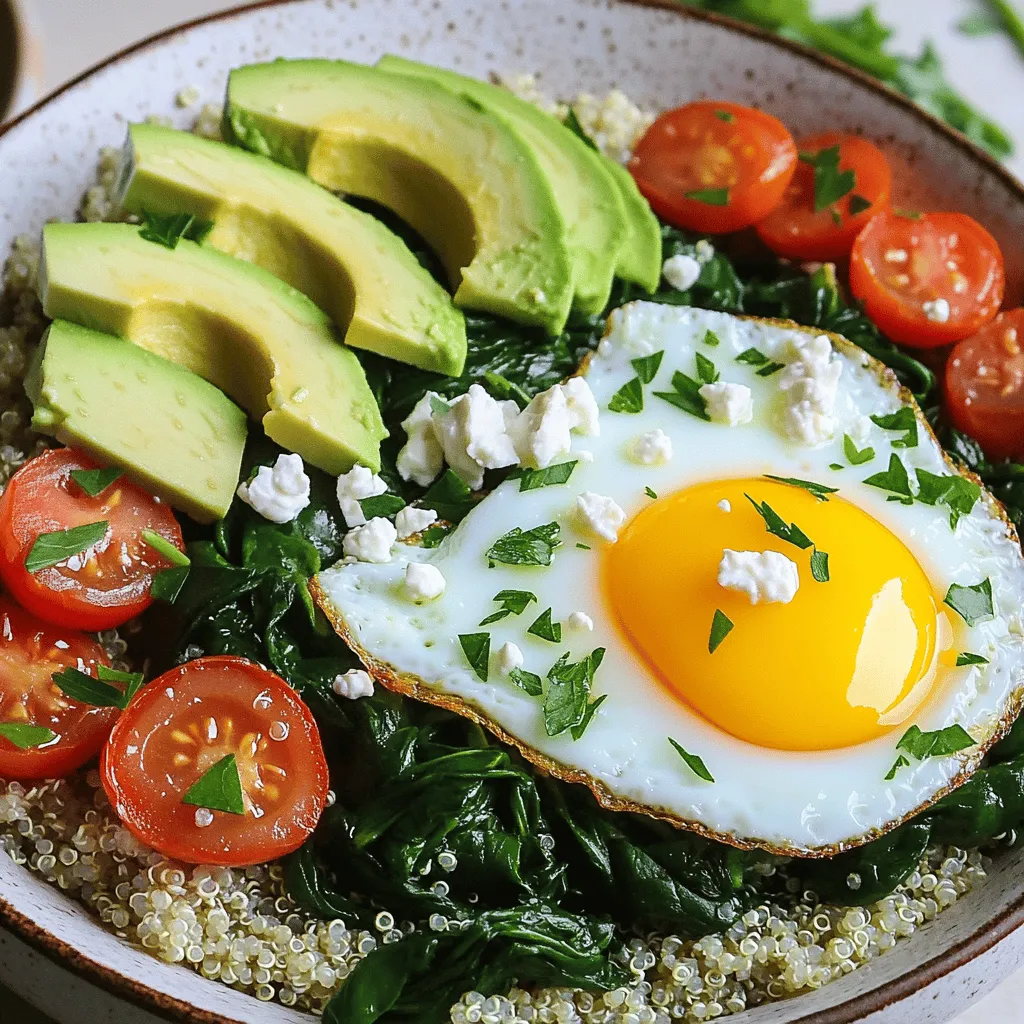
<point x="660" y="58"/>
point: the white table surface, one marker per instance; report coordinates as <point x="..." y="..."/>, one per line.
<point x="75" y="34"/>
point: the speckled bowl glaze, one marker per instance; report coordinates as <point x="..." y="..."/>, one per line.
<point x="57" y="956"/>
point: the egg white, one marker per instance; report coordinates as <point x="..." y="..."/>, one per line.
<point x="809" y="803"/>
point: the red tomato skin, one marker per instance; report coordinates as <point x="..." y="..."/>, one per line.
<point x="906" y="322"/>
<point x="748" y="203"/>
<point x="35" y="495"/>
<point x="158" y="818"/>
<point x="20" y="677"/>
<point x="994" y="417"/>
<point x="795" y="231"/>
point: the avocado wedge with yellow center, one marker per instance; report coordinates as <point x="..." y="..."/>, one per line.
<point x="352" y="266"/>
<point x="256" y="338"/>
<point x="463" y="179"/>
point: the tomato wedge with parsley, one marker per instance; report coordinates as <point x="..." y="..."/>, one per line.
<point x="713" y="166"/>
<point x="840" y="183"/>
<point x="927" y="279"/>
<point x="44" y="734"/>
<point x="101" y="584"/>
<point x="985" y="386"/>
<point x="186" y="723"/>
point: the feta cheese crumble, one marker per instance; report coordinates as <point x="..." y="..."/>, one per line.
<point x="422" y="457"/>
<point x="936" y="310"/>
<point x="682" y="272"/>
<point x="411" y="520"/>
<point x="353" y="684"/>
<point x="811" y="383"/>
<point x="278" y="494"/>
<point x="358" y="482"/>
<point x="764" y="576"/>
<point x="473" y="433"/>
<point x="731" y="404"/>
<point x="584" y="415"/>
<point x="509" y="657"/>
<point x="372" y="542"/>
<point x="423" y="582"/>
<point x="652" y="449"/>
<point x="725" y="505"/>
<point x="581" y="621"/>
<point x="600" y="515"/>
<point x="541" y="430"/>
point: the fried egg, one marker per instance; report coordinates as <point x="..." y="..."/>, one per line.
<point x="789" y="683"/>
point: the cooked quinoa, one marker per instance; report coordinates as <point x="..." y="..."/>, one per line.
<point x="240" y="927"/>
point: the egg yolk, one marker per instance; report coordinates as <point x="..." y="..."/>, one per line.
<point x="843" y="662"/>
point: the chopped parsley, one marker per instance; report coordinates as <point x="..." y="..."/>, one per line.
<point x="706" y="370"/>
<point x="777" y="526"/>
<point x="830" y="184"/>
<point x="819" y="565"/>
<point x="449" y="497"/>
<point x="219" y="788"/>
<point x="544" y="628"/>
<point x="854" y="455"/>
<point x="163" y="547"/>
<point x="95" y="481"/>
<point x="477" y="648"/>
<point x="967" y="658"/>
<point x="576" y="731"/>
<point x="167" y="583"/>
<point x="513" y="602"/>
<point x="858" y="204"/>
<point x="647" y="366"/>
<point x="711" y="339"/>
<point x="98" y="691"/>
<point x="903" y="419"/>
<point x="525" y="547"/>
<point x="769" y="368"/>
<point x="583" y="547"/>
<point x="900" y="762"/>
<point x="724" y="115"/>
<point x="957" y="493"/>
<point x="693" y="762"/>
<point x="820" y="491"/>
<point x="381" y="506"/>
<point x="721" y="627"/>
<point x="531" y="479"/>
<point x="433" y="535"/>
<point x="652" y="494"/>
<point x="568" y="693"/>
<point x="686" y="396"/>
<point x="51" y="548"/>
<point x="572" y="122"/>
<point x="629" y="398"/>
<point x="438" y="406"/>
<point x="26" y="736"/>
<point x="502" y="387"/>
<point x="709" y="196"/>
<point x="528" y="681"/>
<point x="169" y="230"/>
<point x="893" y="479"/>
<point x="939" y="743"/>
<point x="973" y="604"/>
<point x="752" y="356"/>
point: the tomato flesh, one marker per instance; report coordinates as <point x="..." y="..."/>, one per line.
<point x="796" y="230"/>
<point x="109" y="583"/>
<point x="985" y="386"/>
<point x="30" y="652"/>
<point x="186" y="721"/>
<point x="707" y="147"/>
<point x="928" y="280"/>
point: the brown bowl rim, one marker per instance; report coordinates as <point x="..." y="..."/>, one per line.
<point x="849" y="1012"/>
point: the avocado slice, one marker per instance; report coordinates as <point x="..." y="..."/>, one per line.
<point x="639" y="259"/>
<point x="346" y="261"/>
<point x="169" y="430"/>
<point x="463" y="179"/>
<point x="587" y="196"/>
<point x="253" y="336"/>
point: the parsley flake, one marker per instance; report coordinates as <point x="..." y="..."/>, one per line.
<point x="706" y="369"/>
<point x="544" y="628"/>
<point x="502" y="387"/>
<point x="967" y="658"/>
<point x="686" y="396"/>
<point x="973" y="604"/>
<point x="381" y="506"/>
<point x="51" y="548"/>
<point x="629" y="398"/>
<point x="572" y="122"/>
<point x="26" y="736"/>
<point x="169" y="230"/>
<point x="652" y="494"/>
<point x="854" y="455"/>
<point x="531" y="479"/>
<point x="711" y="339"/>
<point x="830" y="184"/>
<point x="769" y="368"/>
<point x="900" y="762"/>
<point x="903" y="419"/>
<point x="777" y="526"/>
<point x="819" y="566"/>
<point x="438" y="406"/>
<point x="894" y="479"/>
<point x="528" y="681"/>
<point x="513" y="602"/>
<point x="709" y="196"/>
<point x="477" y="648"/>
<point x="449" y="497"/>
<point x="693" y="762"/>
<point x="168" y="551"/>
<point x="647" y="366"/>
<point x="219" y="788"/>
<point x="820" y="491"/>
<point x="858" y="204"/>
<point x="167" y="584"/>
<point x="724" y="115"/>
<point x="721" y="627"/>
<point x="957" y="493"/>
<point x="576" y="731"/>
<point x="938" y="743"/>
<point x="98" y="690"/>
<point x="568" y="694"/>
<point x="95" y="481"/>
<point x="525" y="547"/>
<point x="752" y="356"/>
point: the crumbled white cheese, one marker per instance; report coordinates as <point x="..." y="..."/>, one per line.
<point x="731" y="404"/>
<point x="411" y="520"/>
<point x="811" y="382"/>
<point x="936" y="310"/>
<point x="583" y="455"/>
<point x="725" y="505"/>
<point x="651" y="449"/>
<point x="423" y="582"/>
<point x="580" y="621"/>
<point x="509" y="657"/>
<point x="474" y="435"/>
<point x="682" y="272"/>
<point x="600" y="515"/>
<point x="895" y="256"/>
<point x="358" y="482"/>
<point x="353" y="684"/>
<point x="541" y="431"/>
<point x="422" y="457"/>
<point x="372" y="542"/>
<point x="767" y="576"/>
<point x="584" y="416"/>
<point x="859" y="430"/>
<point x="278" y="494"/>
<point x="704" y="251"/>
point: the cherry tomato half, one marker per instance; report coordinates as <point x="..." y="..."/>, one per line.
<point x="714" y="166"/>
<point x="186" y="721"/>
<point x="929" y="279"/>
<point x="985" y="386"/>
<point x="799" y="230"/>
<point x="30" y="652"/>
<point x="109" y="583"/>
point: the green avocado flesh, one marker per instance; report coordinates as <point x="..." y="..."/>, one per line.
<point x="168" y="429"/>
<point x="464" y="180"/>
<point x="347" y="262"/>
<point x="587" y="197"/>
<point x="253" y="336"/>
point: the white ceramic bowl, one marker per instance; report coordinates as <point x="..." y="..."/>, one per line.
<point x="59" y="957"/>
